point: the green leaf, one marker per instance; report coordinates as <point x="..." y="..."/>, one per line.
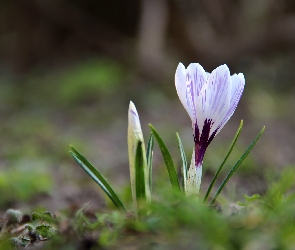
<point x="236" y="166"/>
<point x="224" y="161"/>
<point x="97" y="177"/>
<point x="167" y="158"/>
<point x="149" y="157"/>
<point x="46" y="231"/>
<point x="45" y="216"/>
<point x="139" y="174"/>
<point x="249" y="199"/>
<point x="183" y="162"/>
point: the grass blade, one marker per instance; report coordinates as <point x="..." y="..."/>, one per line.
<point x="167" y="158"/>
<point x="149" y="157"/>
<point x="183" y="162"/>
<point x="139" y="174"/>
<point x="236" y="166"/>
<point x="97" y="177"/>
<point x="225" y="159"/>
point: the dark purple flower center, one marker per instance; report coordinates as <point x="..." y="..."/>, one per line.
<point x="201" y="143"/>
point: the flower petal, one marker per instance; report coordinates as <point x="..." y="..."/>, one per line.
<point x="180" y="84"/>
<point x="214" y="101"/>
<point x="195" y="79"/>
<point x="238" y="84"/>
<point x="134" y="127"/>
<point x="189" y="83"/>
<point x="237" y="88"/>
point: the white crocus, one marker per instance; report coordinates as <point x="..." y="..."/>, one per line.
<point x="210" y="100"/>
<point x="134" y="136"/>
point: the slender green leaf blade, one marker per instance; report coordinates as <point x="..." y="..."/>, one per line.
<point x="224" y="161"/>
<point x="183" y="162"/>
<point x="97" y="177"/>
<point x="139" y="174"/>
<point x="167" y="158"/>
<point x="236" y="166"/>
<point x="149" y="157"/>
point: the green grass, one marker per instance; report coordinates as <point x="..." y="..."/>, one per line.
<point x="176" y="222"/>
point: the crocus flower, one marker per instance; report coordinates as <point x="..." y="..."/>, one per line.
<point x="210" y="100"/>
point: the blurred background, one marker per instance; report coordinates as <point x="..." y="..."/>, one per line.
<point x="70" y="68"/>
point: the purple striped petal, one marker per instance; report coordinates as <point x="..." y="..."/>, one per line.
<point x="237" y="88"/>
<point x="214" y="100"/>
<point x="195" y="79"/>
<point x="189" y="83"/>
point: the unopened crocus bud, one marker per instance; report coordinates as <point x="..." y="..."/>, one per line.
<point x="134" y="136"/>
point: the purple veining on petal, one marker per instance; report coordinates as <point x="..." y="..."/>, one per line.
<point x="212" y="136"/>
<point x="198" y="82"/>
<point x="195" y="80"/>
<point x="202" y="143"/>
<point x="196" y="133"/>
<point x="133" y="112"/>
<point x="190" y="94"/>
<point x="235" y="98"/>
<point x="220" y="84"/>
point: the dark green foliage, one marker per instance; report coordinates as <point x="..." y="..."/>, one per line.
<point x="183" y="161"/>
<point x="167" y="158"/>
<point x="139" y="174"/>
<point x="149" y="157"/>
<point x="97" y="177"/>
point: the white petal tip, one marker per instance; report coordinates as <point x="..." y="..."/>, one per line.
<point x="242" y="77"/>
<point x="180" y="67"/>
<point x="132" y="107"/>
<point x="131" y="104"/>
<point x="223" y="67"/>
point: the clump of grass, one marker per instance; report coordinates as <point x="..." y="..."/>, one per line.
<point x="173" y="222"/>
